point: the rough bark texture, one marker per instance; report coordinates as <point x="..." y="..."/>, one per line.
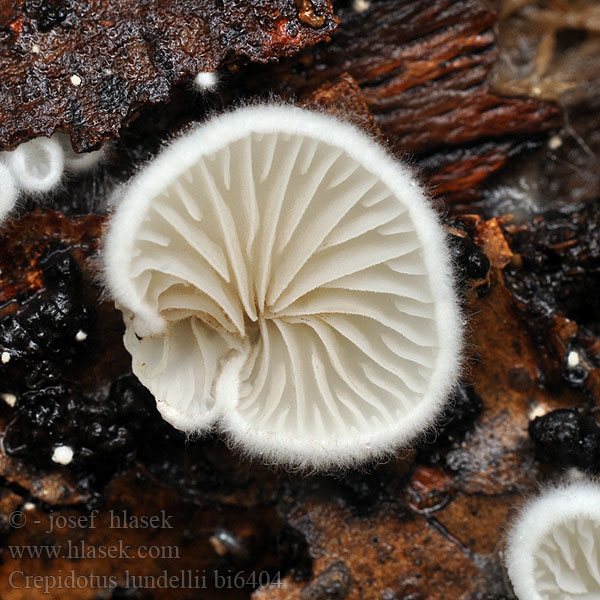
<point x="423" y="69"/>
<point x="85" y="67"/>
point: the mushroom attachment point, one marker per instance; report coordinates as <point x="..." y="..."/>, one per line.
<point x="552" y="551"/>
<point x="8" y="191"/>
<point x="283" y="277"/>
<point x="78" y="162"/>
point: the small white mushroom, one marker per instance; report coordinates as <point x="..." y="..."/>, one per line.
<point x="552" y="551"/>
<point x="5" y="358"/>
<point x="36" y="165"/>
<point x="205" y="81"/>
<point x="63" y="455"/>
<point x="281" y="274"/>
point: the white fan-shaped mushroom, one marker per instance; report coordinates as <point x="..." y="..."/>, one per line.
<point x="553" y="548"/>
<point x="37" y="165"/>
<point x="8" y="191"/>
<point x="280" y="273"/>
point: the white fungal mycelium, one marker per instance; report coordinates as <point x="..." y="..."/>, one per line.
<point x="553" y="548"/>
<point x="281" y="275"/>
<point x="38" y="166"/>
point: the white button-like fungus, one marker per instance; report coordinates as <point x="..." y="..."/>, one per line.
<point x="63" y="455"/>
<point x="5" y="358"/>
<point x="37" y="165"/>
<point x="553" y="548"/>
<point x="281" y="274"/>
<point x="205" y="81"/>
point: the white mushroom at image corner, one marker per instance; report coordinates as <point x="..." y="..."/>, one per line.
<point x="38" y="166"/>
<point x="282" y="276"/>
<point x="553" y="547"/>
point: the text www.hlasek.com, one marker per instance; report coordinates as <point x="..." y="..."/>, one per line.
<point x="81" y="550"/>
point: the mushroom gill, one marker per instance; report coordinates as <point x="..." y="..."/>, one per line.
<point x="279" y="273"/>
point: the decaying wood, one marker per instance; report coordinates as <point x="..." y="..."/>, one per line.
<point x="85" y="67"/>
<point x="423" y="69"/>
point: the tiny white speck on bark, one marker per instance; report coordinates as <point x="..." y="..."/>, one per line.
<point x="10" y="399"/>
<point x="538" y="410"/>
<point x="555" y="142"/>
<point x="62" y="455"/>
<point x="573" y="359"/>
